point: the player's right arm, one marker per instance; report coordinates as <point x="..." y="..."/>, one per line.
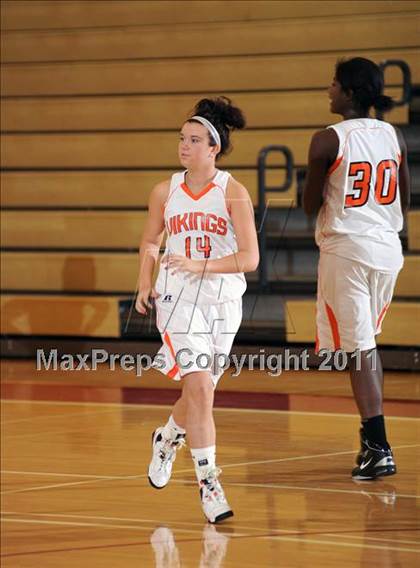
<point x="403" y="173"/>
<point x="150" y="244"/>
<point x="322" y="154"/>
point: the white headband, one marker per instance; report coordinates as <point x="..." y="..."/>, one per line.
<point x="209" y="127"/>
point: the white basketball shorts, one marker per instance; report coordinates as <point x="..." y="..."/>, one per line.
<point x="195" y="337"/>
<point x="351" y="304"/>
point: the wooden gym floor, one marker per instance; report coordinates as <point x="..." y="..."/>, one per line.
<point x="75" y="490"/>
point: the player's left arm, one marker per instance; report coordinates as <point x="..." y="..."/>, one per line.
<point x="322" y="154"/>
<point x="247" y="257"/>
<point x="403" y="173"/>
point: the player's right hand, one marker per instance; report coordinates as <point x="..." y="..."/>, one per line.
<point x="143" y="299"/>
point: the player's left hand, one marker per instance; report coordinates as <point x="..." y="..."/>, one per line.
<point x="177" y="263"/>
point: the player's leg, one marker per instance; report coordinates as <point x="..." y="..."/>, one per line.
<point x="179" y="413"/>
<point x="223" y="322"/>
<point x="375" y="457"/>
<point x="175" y="425"/>
<point x="187" y="337"/>
<point x="167" y="439"/>
<point x="344" y="321"/>
<point x="191" y="413"/>
<point x="367" y="384"/>
<point x="198" y="391"/>
<point x="174" y="429"/>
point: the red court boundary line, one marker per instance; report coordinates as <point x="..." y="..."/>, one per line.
<point x="223" y="399"/>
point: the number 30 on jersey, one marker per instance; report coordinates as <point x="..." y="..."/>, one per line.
<point x="385" y="185"/>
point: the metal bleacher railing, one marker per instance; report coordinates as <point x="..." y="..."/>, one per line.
<point x="262" y="205"/>
<point x="406" y="86"/>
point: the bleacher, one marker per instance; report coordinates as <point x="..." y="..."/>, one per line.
<point x="93" y="95"/>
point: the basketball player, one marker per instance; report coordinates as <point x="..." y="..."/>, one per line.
<point x="358" y="180"/>
<point x="211" y="241"/>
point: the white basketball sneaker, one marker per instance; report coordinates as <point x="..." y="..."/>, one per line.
<point x="163" y="456"/>
<point x="213" y="499"/>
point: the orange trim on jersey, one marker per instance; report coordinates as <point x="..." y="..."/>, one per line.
<point x="197" y="196"/>
<point x="175" y="368"/>
<point x="382" y="315"/>
<point x="316" y="343"/>
<point x="170" y="194"/>
<point x="334" y="327"/>
<point x="335" y="165"/>
<point x="228" y="205"/>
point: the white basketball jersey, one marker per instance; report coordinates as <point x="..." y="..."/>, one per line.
<point x="199" y="227"/>
<point x="361" y="214"/>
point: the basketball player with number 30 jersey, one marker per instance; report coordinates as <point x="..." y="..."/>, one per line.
<point x="211" y="241"/>
<point x="358" y="181"/>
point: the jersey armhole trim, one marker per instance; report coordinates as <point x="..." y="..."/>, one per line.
<point x="335" y="165"/>
<point x="170" y="194"/>
<point x="225" y="191"/>
<point x="340" y="151"/>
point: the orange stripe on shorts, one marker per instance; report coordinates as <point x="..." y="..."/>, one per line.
<point x="174" y="371"/>
<point x="175" y="368"/>
<point x="382" y="315"/>
<point x="334" y="327"/>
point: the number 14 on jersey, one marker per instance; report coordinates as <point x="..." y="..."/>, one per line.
<point x="202" y="244"/>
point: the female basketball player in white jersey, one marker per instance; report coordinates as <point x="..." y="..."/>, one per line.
<point x="358" y="180"/>
<point x="211" y="242"/>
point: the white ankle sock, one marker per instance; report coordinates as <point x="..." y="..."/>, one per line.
<point x="171" y="429"/>
<point x="204" y="459"/>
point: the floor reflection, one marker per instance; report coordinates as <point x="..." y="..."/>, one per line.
<point x="215" y="544"/>
<point x="380" y="521"/>
<point x="165" y="549"/>
<point x="214" y="547"/>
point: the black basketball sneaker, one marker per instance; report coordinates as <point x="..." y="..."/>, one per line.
<point x="373" y="461"/>
<point x="363" y="447"/>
